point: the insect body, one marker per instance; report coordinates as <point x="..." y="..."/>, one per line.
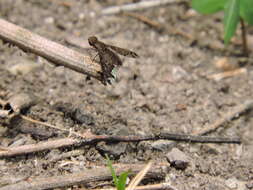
<point x="108" y="57"/>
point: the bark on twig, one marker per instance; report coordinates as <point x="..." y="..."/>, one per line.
<point x="44" y="145"/>
<point x="52" y="51"/>
<point x="167" y="136"/>
<point x="89" y="138"/>
<point x="86" y="176"/>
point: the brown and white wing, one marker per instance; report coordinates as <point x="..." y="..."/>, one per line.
<point x="122" y="51"/>
<point x="108" y="60"/>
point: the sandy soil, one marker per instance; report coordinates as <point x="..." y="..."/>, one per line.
<point x="167" y="89"/>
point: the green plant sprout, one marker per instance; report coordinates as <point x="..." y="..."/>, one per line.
<point x="235" y="11"/>
<point x="119" y="182"/>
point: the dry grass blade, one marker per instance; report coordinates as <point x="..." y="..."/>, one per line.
<point x="144" y="19"/>
<point x="136" y="180"/>
<point x="220" y="76"/>
<point x="136" y="6"/>
<point x="160" y="186"/>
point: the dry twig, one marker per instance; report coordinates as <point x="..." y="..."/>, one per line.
<point x="159" y="27"/>
<point x="144" y="19"/>
<point x="89" y="138"/>
<point x="219" y="76"/>
<point x="44" y="145"/>
<point x="54" y="52"/>
<point x="86" y="176"/>
<point x="226" y="117"/>
<point x="166" y="136"/>
<point x="136" y="6"/>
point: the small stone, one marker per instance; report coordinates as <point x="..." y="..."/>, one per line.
<point x="178" y="159"/>
<point x="231" y="183"/>
<point x="189" y="93"/>
<point x="162" y="145"/>
<point x="49" y="20"/>
<point x="190" y="13"/>
<point x="22" y="101"/>
<point x="238" y="152"/>
<point x="179" y="73"/>
<point x="211" y="149"/>
<point x="78" y="115"/>
<point x="114" y="150"/>
<point x="4" y="114"/>
<point x="81" y="16"/>
<point x="81" y="117"/>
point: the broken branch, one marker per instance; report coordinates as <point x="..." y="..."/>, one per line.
<point x="52" y="51"/>
<point x="86" y="176"/>
<point x="89" y="138"/>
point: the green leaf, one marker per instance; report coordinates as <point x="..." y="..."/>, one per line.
<point x="114" y="177"/>
<point x="208" y="6"/>
<point x="246" y="10"/>
<point x="122" y="181"/>
<point x="231" y="19"/>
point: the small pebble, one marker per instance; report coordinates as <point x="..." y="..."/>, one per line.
<point x="178" y="159"/>
<point x="162" y="145"/>
<point x="231" y="183"/>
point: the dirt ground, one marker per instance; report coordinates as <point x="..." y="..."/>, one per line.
<point x="167" y="89"/>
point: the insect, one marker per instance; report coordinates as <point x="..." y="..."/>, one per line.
<point x="108" y="57"/>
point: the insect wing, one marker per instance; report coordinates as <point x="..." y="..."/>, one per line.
<point x="111" y="58"/>
<point x="122" y="51"/>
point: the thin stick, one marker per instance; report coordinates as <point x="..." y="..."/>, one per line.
<point x="226" y="74"/>
<point x="159" y="27"/>
<point x="43" y="123"/>
<point x="198" y="139"/>
<point x="167" y="136"/>
<point x="52" y="51"/>
<point x="226" y="117"/>
<point x="44" y="145"/>
<point x="89" y="138"/>
<point x="144" y="19"/>
<point x="86" y="176"/>
<point x="244" y="37"/>
<point x="136" y="6"/>
<point x="53" y="126"/>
